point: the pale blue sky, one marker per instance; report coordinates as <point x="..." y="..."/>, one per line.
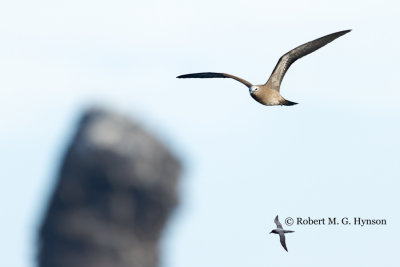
<point x="334" y="154"/>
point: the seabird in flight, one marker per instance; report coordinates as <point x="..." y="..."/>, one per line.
<point x="281" y="232"/>
<point x="269" y="93"/>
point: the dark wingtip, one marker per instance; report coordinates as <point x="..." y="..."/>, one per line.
<point x="191" y="75"/>
<point x="344" y="32"/>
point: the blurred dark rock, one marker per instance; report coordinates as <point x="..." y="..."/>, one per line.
<point x="115" y="191"/>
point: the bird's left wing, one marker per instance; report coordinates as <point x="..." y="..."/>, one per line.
<point x="215" y="75"/>
<point x="274" y="82"/>
<point x="278" y="224"/>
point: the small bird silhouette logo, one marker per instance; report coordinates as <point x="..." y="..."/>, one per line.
<point x="269" y="93"/>
<point x="281" y="232"/>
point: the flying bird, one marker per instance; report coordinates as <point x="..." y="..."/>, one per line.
<point x="269" y="93"/>
<point x="281" y="232"/>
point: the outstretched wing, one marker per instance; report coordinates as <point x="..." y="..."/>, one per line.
<point x="278" y="224"/>
<point x="274" y="82"/>
<point x="215" y="75"/>
<point x="282" y="239"/>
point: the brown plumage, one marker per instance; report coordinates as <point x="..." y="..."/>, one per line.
<point x="269" y="93"/>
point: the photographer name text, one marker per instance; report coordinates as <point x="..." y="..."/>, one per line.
<point x="335" y="221"/>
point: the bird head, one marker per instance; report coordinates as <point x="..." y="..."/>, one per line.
<point x="253" y="89"/>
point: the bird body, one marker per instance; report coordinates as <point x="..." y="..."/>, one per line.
<point x="268" y="97"/>
<point x="281" y="232"/>
<point x="269" y="93"/>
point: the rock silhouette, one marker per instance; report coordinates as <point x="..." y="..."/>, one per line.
<point x="115" y="191"/>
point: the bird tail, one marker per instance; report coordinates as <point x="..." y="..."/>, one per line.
<point x="288" y="103"/>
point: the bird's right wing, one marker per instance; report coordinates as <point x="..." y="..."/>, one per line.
<point x="215" y="75"/>
<point x="282" y="239"/>
<point x="278" y="224"/>
<point x="274" y="82"/>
